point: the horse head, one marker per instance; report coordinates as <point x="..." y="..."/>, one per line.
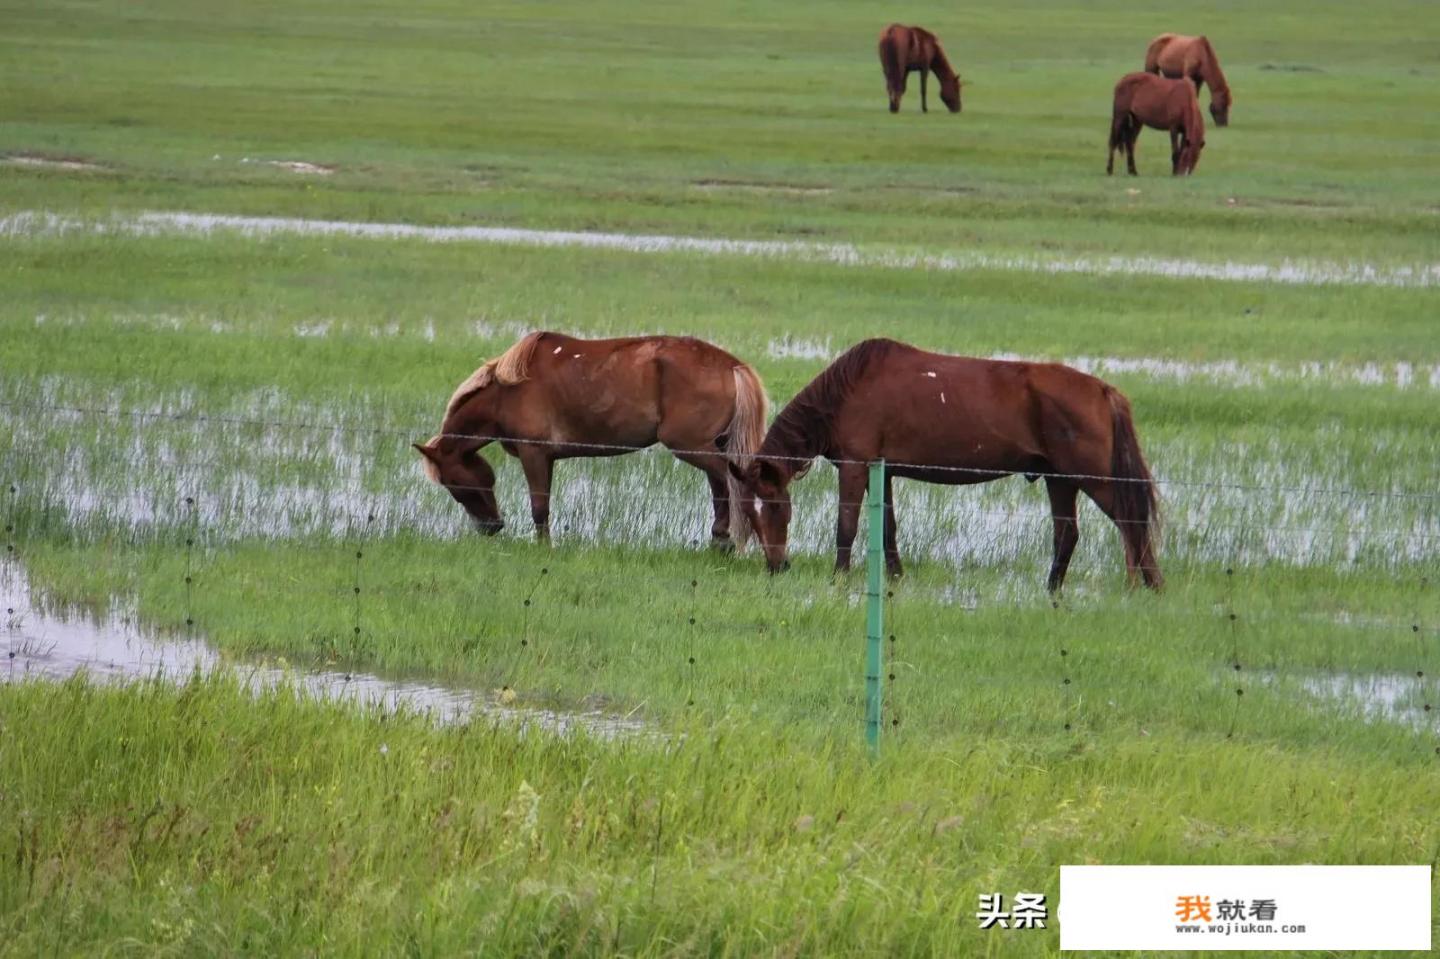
<point x="457" y="465"/>
<point x="1220" y="106"/>
<point x="765" y="485"/>
<point x="1190" y="156"/>
<point x="950" y="93"/>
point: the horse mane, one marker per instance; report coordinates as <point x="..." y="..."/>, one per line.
<point x="1194" y="118"/>
<point x="804" y="427"/>
<point x="941" y="60"/>
<point x="507" y="369"/>
<point x="1213" y="75"/>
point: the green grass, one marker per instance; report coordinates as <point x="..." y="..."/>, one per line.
<point x="588" y="115"/>
<point x="196" y="821"/>
<point x="278" y="383"/>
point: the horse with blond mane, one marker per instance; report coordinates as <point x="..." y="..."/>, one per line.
<point x="1143" y="99"/>
<point x="956" y="420"/>
<point x="1177" y="56"/>
<point x="552" y="397"/>
<point x="905" y="50"/>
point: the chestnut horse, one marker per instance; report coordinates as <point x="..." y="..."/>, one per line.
<point x="956" y="420"/>
<point x="1145" y="99"/>
<point x="552" y="397"/>
<point x="906" y="50"/>
<point x="1177" y="56"/>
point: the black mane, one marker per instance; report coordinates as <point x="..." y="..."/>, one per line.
<point x="803" y="430"/>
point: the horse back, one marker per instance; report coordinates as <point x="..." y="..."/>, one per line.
<point x="1176" y="55"/>
<point x="918" y="407"/>
<point x="907" y="48"/>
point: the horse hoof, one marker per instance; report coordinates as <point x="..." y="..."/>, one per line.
<point x="894" y="572"/>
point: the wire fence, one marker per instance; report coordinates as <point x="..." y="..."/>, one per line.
<point x="354" y="591"/>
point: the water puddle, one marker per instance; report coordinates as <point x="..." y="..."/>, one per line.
<point x="1400" y="375"/>
<point x="51" y="163"/>
<point x="1301" y="272"/>
<point x="742" y="186"/>
<point x="1385" y="697"/>
<point x="45" y="644"/>
<point x="268" y="466"/>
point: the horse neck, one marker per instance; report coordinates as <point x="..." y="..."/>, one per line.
<point x="791" y="443"/>
<point x="1194" y="119"/>
<point x="478" y="417"/>
<point x="1210" y="70"/>
<point x="941" y="64"/>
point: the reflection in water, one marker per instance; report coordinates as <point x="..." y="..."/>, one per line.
<point x="41" y="644"/>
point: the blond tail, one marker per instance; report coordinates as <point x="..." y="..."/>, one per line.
<point x="746" y="432"/>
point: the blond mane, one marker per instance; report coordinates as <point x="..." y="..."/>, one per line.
<point x="507" y="369"/>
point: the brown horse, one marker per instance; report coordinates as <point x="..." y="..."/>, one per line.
<point x="906" y="50"/>
<point x="1148" y="100"/>
<point x="956" y="420"/>
<point x="552" y="397"/>
<point x="1177" y="56"/>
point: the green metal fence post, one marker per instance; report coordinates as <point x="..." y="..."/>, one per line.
<point x="874" y="604"/>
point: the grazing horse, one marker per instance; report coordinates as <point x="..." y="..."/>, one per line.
<point x="1148" y="100"/>
<point x="956" y="420"/>
<point x="551" y="397"/>
<point x="905" y="50"/>
<point x="1177" y="56"/>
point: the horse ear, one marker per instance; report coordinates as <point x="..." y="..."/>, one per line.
<point x="429" y="452"/>
<point x="768" y="471"/>
<point x="747" y="474"/>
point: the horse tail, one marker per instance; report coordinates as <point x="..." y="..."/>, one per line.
<point x="890" y="58"/>
<point x="745" y="434"/>
<point x="1136" y="501"/>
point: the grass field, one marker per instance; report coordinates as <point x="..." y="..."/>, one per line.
<point x="257" y="397"/>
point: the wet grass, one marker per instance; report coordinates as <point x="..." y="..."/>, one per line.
<point x="622" y="120"/>
<point x="277" y="384"/>
<point x="195" y="820"/>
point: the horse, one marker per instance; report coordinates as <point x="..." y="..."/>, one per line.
<point x="1177" y="56"/>
<point x="956" y="420"/>
<point x="551" y="397"/>
<point x="1171" y="105"/>
<point x="905" y="50"/>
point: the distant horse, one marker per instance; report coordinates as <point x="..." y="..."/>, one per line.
<point x="551" y="397"/>
<point x="906" y="50"/>
<point x="1175" y="55"/>
<point x="956" y="420"/>
<point x="1170" y="105"/>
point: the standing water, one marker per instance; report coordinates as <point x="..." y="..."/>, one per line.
<point x="42" y="644"/>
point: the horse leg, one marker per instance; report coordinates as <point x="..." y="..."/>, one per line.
<point x="1177" y="141"/>
<point x="924" y="75"/>
<point x="539" y="466"/>
<point x="1132" y="133"/>
<point x="892" y="551"/>
<point x="853" y="483"/>
<point x="1067" y="528"/>
<point x="897" y="90"/>
<point x="714" y="469"/>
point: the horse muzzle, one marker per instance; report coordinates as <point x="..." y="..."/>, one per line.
<point x="781" y="567"/>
